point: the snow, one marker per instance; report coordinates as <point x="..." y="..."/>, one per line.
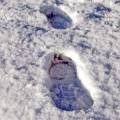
<point x="28" y="41"/>
<point x="83" y="75"/>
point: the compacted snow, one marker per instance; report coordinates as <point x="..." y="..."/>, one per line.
<point x="31" y="31"/>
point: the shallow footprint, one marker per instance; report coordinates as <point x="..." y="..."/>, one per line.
<point x="99" y="13"/>
<point x="56" y="17"/>
<point x="67" y="92"/>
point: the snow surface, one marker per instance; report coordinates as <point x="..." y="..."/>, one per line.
<point x="28" y="41"/>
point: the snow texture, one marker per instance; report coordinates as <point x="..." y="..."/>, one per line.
<point x="29" y="38"/>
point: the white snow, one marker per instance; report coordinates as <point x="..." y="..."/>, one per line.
<point x="28" y="42"/>
<point x="83" y="74"/>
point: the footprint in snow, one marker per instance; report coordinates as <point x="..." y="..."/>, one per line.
<point x="56" y="17"/>
<point x="67" y="92"/>
<point x="99" y="12"/>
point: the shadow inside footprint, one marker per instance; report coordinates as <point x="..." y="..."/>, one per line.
<point x="95" y="17"/>
<point x="67" y="92"/>
<point x="56" y="17"/>
<point x="101" y="9"/>
<point x="98" y="13"/>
